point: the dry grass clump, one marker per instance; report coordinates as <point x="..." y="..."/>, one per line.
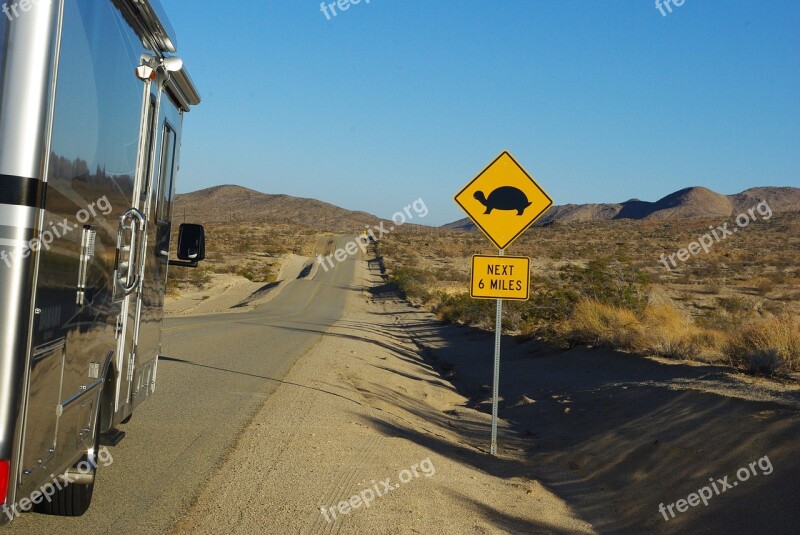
<point x="769" y="346"/>
<point x="598" y="324"/>
<point x="669" y="333"/>
<point x="658" y="330"/>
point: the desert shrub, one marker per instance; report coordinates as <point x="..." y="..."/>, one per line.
<point x="734" y="305"/>
<point x="451" y="274"/>
<point x="225" y="268"/>
<point x="199" y="277"/>
<point x="778" y="277"/>
<point x="666" y="332"/>
<point x="461" y="308"/>
<point x="614" y="284"/>
<point x="256" y="273"/>
<point x="763" y="285"/>
<point x="659" y="330"/>
<point x="549" y="305"/>
<point x="714" y="286"/>
<point x="773" y="307"/>
<point x="710" y="339"/>
<point x="554" y="301"/>
<point x="770" y="346"/>
<point x="173" y="287"/>
<point x="600" y="324"/>
<point x="412" y="281"/>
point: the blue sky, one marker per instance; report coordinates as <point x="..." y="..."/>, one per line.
<point x="395" y="100"/>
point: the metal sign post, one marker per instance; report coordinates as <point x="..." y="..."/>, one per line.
<point x="503" y="201"/>
<point x="498" y="333"/>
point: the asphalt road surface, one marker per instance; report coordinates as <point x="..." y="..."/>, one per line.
<point x="218" y="371"/>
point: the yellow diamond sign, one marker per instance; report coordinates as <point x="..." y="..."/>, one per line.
<point x="503" y="200"/>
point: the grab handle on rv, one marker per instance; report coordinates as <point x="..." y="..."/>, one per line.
<point x="134" y="221"/>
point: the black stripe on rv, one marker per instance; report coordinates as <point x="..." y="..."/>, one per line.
<point x="21" y="191"/>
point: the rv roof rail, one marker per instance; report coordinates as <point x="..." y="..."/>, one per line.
<point x="183" y="90"/>
<point x="151" y="23"/>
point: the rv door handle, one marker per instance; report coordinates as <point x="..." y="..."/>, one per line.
<point x="128" y="279"/>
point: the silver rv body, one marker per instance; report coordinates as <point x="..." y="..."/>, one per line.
<point x="92" y="101"/>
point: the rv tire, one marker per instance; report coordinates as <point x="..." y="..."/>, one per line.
<point x="73" y="499"/>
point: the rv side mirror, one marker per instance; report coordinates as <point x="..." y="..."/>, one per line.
<point x="191" y="243"/>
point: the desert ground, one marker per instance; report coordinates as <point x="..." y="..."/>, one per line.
<point x="593" y="438"/>
<point x="604" y="284"/>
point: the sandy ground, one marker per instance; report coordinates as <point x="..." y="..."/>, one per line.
<point x="233" y="293"/>
<point x="616" y="435"/>
<point x="357" y="410"/>
<point x="590" y="441"/>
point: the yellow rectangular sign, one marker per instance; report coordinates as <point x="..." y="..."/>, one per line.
<point x="501" y="277"/>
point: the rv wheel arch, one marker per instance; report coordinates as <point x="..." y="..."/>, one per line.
<point x="74" y="498"/>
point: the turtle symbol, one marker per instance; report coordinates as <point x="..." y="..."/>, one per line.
<point x="504" y="198"/>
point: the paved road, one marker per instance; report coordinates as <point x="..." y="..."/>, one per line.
<point x="218" y="371"/>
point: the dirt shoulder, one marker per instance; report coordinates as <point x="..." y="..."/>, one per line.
<point x="234" y="293"/>
<point x="617" y="435"/>
<point x="363" y="411"/>
<point x="591" y="441"/>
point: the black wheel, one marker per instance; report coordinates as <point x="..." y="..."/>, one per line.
<point x="74" y="499"/>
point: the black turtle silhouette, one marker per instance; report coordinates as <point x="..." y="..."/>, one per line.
<point x="504" y="198"/>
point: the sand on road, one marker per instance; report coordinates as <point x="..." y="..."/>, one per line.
<point x="360" y="413"/>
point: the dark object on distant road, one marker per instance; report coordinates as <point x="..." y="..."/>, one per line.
<point x="505" y="198"/>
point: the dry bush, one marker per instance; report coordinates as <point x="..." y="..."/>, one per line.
<point x="770" y="346"/>
<point x="667" y="332"/>
<point x="659" y="330"/>
<point x="763" y="285"/>
<point x="598" y="324"/>
<point x="714" y="286"/>
<point x="198" y="277"/>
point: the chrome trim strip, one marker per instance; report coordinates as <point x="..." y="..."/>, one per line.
<point x="69" y="401"/>
<point x="49" y="347"/>
<point x="25" y="90"/>
<point x="14" y="215"/>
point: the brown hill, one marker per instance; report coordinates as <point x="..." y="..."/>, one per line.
<point x="228" y="203"/>
<point x="779" y="199"/>
<point x="683" y="204"/>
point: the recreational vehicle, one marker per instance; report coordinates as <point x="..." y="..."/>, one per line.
<point x="92" y="100"/>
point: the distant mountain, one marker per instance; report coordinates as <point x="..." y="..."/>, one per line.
<point x="683" y="204"/>
<point x="235" y="203"/>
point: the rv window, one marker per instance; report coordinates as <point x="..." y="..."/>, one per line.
<point x="166" y="174"/>
<point x="147" y="187"/>
<point x="3" y="35"/>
